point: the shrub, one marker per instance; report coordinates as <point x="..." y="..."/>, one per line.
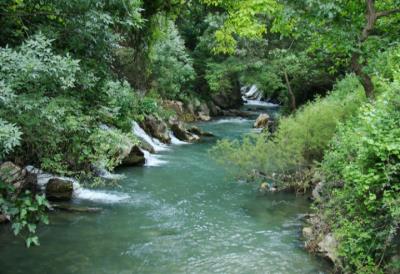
<point x="299" y="140"/>
<point x="171" y="65"/>
<point x="365" y="213"/>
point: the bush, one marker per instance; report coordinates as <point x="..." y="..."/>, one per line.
<point x="299" y="140"/>
<point x="171" y="65"/>
<point x="10" y="137"/>
<point x="365" y="213"/>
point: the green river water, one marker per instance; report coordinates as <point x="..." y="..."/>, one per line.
<point x="186" y="216"/>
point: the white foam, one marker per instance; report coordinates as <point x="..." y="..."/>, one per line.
<point x="155" y="143"/>
<point x="98" y="195"/>
<point x="232" y="120"/>
<point x="259" y="103"/>
<point x="78" y="191"/>
<point x="176" y="141"/>
<point x="153" y="160"/>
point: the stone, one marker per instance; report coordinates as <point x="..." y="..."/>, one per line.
<point x="58" y="189"/>
<point x="328" y="247"/>
<point x="199" y="132"/>
<point x="78" y="209"/>
<point x="176" y="106"/>
<point x="307" y="232"/>
<point x="11" y="173"/>
<point x="181" y="133"/>
<point x="156" y="128"/>
<point x="134" y="158"/>
<point x="262" y="121"/>
<point x="204" y="117"/>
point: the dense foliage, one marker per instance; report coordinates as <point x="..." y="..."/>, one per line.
<point x="299" y="140"/>
<point x="364" y="155"/>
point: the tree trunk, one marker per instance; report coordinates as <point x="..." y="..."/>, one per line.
<point x="372" y="16"/>
<point x="291" y="94"/>
<point x="365" y="79"/>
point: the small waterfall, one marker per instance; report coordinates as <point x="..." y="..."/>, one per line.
<point x="139" y="132"/>
<point x="98" y="195"/>
<point x="152" y="159"/>
<point x="176" y="141"/>
<point x="79" y="192"/>
<point x="253" y="97"/>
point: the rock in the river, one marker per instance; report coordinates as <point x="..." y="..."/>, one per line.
<point x="265" y="187"/>
<point x="134" y="158"/>
<point x="199" y="132"/>
<point x="181" y="132"/>
<point x="156" y="128"/>
<point x="262" y="121"/>
<point x="58" y="189"/>
<point x="78" y="209"/>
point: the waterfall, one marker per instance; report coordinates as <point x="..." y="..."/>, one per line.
<point x="254" y="97"/>
<point x="139" y="132"/>
<point x="79" y="192"/>
<point x="152" y="159"/>
<point x="176" y="141"/>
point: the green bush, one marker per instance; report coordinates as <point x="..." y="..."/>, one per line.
<point x="172" y="67"/>
<point x="300" y="138"/>
<point x="365" y="213"/>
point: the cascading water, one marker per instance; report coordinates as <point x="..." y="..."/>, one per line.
<point x="176" y="141"/>
<point x="254" y="97"/>
<point x="79" y="192"/>
<point x="156" y="144"/>
<point x="151" y="159"/>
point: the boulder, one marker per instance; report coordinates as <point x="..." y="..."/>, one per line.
<point x="199" y="132"/>
<point x="181" y="132"/>
<point x="176" y="106"/>
<point x="19" y="177"/>
<point x="265" y="187"/>
<point x="307" y="232"/>
<point x="156" y="128"/>
<point x="214" y="109"/>
<point x="328" y="247"/>
<point x="11" y="173"/>
<point x="204" y="112"/>
<point x="262" y="121"/>
<point x="58" y="189"/>
<point x="203" y="117"/>
<point x="134" y="158"/>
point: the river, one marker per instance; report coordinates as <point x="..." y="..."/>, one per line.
<point x="185" y="215"/>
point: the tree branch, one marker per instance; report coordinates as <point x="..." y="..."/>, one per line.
<point x="387" y="13"/>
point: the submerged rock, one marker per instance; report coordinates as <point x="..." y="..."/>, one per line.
<point x="156" y="128"/>
<point x="262" y="121"/>
<point x="58" y="189"/>
<point x="79" y="209"/>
